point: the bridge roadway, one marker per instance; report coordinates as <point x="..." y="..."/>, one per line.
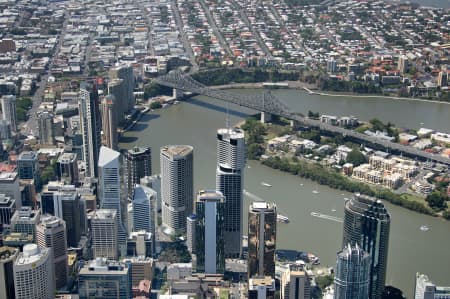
<point x="268" y="103"/>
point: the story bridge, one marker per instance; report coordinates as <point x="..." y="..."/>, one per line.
<point x="269" y="105"/>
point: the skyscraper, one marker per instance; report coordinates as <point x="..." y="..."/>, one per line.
<point x="7" y="209"/>
<point x="104" y="234"/>
<point x="191" y="223"/>
<point x="210" y="208"/>
<point x="143" y="209"/>
<point x="262" y="233"/>
<point x="25" y="221"/>
<point x="67" y="168"/>
<point x="9" y="185"/>
<point x="64" y="201"/>
<point x="229" y="181"/>
<point x="126" y="74"/>
<point x="139" y="165"/>
<point x="104" y="279"/>
<point x="33" y="273"/>
<point x="90" y="126"/>
<point x="351" y="280"/>
<point x="109" y="186"/>
<point x="177" y="180"/>
<point x="109" y="122"/>
<point x="367" y="223"/>
<point x="9" y="110"/>
<point x="295" y="284"/>
<point x="27" y="166"/>
<point x="7" y="257"/>
<point x="51" y="233"/>
<point x="45" y="127"/>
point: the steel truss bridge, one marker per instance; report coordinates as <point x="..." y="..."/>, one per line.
<point x="268" y="104"/>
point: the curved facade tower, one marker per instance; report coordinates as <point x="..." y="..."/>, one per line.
<point x="367" y="224"/>
<point x="229" y="181"/>
<point x="177" y="184"/>
<point x="351" y="280"/>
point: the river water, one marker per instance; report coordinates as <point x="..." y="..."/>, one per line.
<point x="410" y="250"/>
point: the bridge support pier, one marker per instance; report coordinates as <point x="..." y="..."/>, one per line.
<point x="266" y="117"/>
<point x="176" y="93"/>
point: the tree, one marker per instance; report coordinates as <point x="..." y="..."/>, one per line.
<point x="391" y="292"/>
<point x="155" y="105"/>
<point x="324" y="281"/>
<point x="437" y="200"/>
<point x="356" y="158"/>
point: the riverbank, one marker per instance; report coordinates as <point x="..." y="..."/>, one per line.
<point x="312" y="89"/>
<point x="312" y="164"/>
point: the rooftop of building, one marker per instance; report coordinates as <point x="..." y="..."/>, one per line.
<point x="104" y="214"/>
<point x="101" y="266"/>
<point x="8" y="176"/>
<point x="137" y="150"/>
<point x="106" y="156"/>
<point x="175" y="151"/>
<point x="67" y="158"/>
<point x="7" y="252"/>
<point x="50" y="221"/>
<point x="6" y="201"/>
<point x="31" y="254"/>
<point x="17" y="238"/>
<point x="27" y="156"/>
<point x="233" y="133"/>
<point x="261" y="206"/>
<point x="208" y="195"/>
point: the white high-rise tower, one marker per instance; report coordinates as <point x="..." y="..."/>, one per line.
<point x="229" y="181"/>
<point x="177" y="180"/>
<point x="109" y="186"/>
<point x="33" y="273"/>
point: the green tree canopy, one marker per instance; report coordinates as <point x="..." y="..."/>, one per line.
<point x="437" y="200"/>
<point x="356" y="158"/>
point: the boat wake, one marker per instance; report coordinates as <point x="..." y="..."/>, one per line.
<point x="327" y="217"/>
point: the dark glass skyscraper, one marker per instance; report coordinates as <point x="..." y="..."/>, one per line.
<point x="367" y="224"/>
<point x="209" y="240"/>
<point x="139" y="165"/>
<point x="262" y="236"/>
<point x="89" y="109"/>
<point x="229" y="181"/>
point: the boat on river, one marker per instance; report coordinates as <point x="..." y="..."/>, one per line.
<point x="282" y="218"/>
<point x="424" y="228"/>
<point x="266" y="184"/>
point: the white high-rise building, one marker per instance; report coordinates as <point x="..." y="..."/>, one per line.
<point x="104" y="234"/>
<point x="33" y="273"/>
<point x="90" y="126"/>
<point x="229" y="181"/>
<point x="143" y="208"/>
<point x="51" y="233"/>
<point x="109" y="185"/>
<point x="9" y="111"/>
<point x="177" y="180"/>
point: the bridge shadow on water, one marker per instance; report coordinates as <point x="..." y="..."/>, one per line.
<point x="218" y="108"/>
